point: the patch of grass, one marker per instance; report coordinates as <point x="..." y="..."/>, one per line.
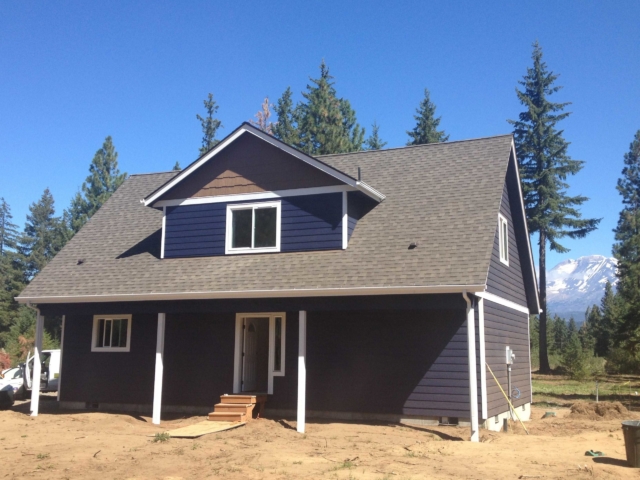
<point x="195" y="446"/>
<point x="161" y="437"/>
<point x="346" y="464"/>
<point x="23" y="436"/>
<point x="43" y="456"/>
<point x="299" y="462"/>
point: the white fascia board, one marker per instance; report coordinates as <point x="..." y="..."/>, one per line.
<point x="189" y="170"/>
<point x="231" y="294"/>
<point x="526" y="227"/>
<point x="242" y="197"/>
<point x="490" y="297"/>
<point x="245" y="128"/>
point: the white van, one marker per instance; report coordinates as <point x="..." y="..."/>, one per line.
<point x="49" y="372"/>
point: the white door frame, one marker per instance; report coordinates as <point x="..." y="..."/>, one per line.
<point x="239" y="341"/>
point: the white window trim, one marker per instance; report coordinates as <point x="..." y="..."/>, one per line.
<point x="164" y="230"/>
<point x="237" y="356"/>
<point x="94" y="336"/>
<point x="245" y="206"/>
<point x="503" y="221"/>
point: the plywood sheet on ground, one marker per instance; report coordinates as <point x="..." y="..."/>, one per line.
<point x="203" y="428"/>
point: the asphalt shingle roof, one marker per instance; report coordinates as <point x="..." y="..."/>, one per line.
<point x="443" y="196"/>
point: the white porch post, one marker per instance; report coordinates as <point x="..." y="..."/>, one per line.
<point x="157" y="386"/>
<point x="473" y="377"/>
<point x="302" y="370"/>
<point x="483" y="358"/>
<point x="37" y="366"/>
<point x="64" y="320"/>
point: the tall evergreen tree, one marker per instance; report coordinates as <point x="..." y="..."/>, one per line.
<point x="44" y="235"/>
<point x="426" y="129"/>
<point x="326" y="123"/>
<point x="544" y="167"/>
<point x="286" y="128"/>
<point x="374" y="142"/>
<point x="104" y="179"/>
<point x="627" y="246"/>
<point x="8" y="229"/>
<point x="176" y="167"/>
<point x="210" y="125"/>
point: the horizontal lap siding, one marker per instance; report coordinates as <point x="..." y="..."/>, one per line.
<point x="109" y="377"/>
<point x="312" y="222"/>
<point x="506" y="327"/>
<point x="506" y="281"/>
<point x="405" y="363"/>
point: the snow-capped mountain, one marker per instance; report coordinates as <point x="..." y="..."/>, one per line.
<point x="574" y="285"/>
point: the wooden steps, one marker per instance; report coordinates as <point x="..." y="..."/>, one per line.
<point x="236" y="408"/>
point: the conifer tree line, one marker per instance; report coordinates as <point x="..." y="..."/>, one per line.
<point x="24" y="253"/>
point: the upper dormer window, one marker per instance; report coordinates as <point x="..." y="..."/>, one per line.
<point x="503" y="237"/>
<point x="253" y="228"/>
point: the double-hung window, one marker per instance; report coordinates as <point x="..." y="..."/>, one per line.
<point x="111" y="333"/>
<point x="503" y="237"/>
<point x="253" y="228"/>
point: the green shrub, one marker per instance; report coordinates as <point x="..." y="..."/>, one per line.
<point x="620" y="360"/>
<point x="580" y="363"/>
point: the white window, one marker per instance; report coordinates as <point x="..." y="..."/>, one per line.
<point x="503" y="238"/>
<point x="111" y="333"/>
<point x="253" y="228"/>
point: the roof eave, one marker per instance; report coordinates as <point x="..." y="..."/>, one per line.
<point x="239" y="294"/>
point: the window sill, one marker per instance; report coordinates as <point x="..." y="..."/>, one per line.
<point x="236" y="251"/>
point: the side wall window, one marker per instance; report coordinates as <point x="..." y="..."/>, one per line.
<point x="503" y="234"/>
<point x="111" y="333"/>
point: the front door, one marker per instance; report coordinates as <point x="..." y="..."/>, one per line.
<point x="255" y="354"/>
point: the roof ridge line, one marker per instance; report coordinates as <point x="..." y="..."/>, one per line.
<point x="416" y="146"/>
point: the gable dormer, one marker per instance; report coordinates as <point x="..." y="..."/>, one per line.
<point x="254" y="194"/>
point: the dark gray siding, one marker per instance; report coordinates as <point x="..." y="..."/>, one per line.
<point x="506" y="327"/>
<point x="198" y="358"/>
<point x="312" y="222"/>
<point x="405" y="363"/>
<point x="506" y="280"/>
<point x="108" y="377"/>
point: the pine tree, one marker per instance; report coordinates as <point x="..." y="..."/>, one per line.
<point x="286" y="129"/>
<point x="374" y="142"/>
<point x="426" y="129"/>
<point x="176" y="167"/>
<point x="44" y="235"/>
<point x="210" y="125"/>
<point x="627" y="247"/>
<point x="262" y="117"/>
<point x="8" y="230"/>
<point x="104" y="179"/>
<point x="326" y="123"/>
<point x="544" y="167"/>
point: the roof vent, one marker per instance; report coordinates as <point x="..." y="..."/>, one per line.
<point x="80" y="261"/>
<point x="413" y="245"/>
<point x="359" y="174"/>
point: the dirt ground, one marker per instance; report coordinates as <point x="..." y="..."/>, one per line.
<point x="88" y="445"/>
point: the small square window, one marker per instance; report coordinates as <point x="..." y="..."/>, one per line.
<point x="253" y="228"/>
<point x="111" y="333"/>
<point x="503" y="239"/>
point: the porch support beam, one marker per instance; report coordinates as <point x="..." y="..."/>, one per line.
<point x="37" y="365"/>
<point x="473" y="377"/>
<point x="302" y="370"/>
<point x="157" y="386"/>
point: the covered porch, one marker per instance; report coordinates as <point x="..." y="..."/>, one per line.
<point x="392" y="357"/>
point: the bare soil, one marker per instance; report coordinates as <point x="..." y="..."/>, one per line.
<point x="87" y="445"/>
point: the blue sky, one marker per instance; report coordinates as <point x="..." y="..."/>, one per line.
<point x="72" y="73"/>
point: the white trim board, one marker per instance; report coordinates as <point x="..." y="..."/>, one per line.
<point x="225" y="294"/>
<point x="345" y="221"/>
<point x="238" y="348"/>
<point x="502" y="301"/>
<point x="247" y="128"/>
<point x="245" y="197"/>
